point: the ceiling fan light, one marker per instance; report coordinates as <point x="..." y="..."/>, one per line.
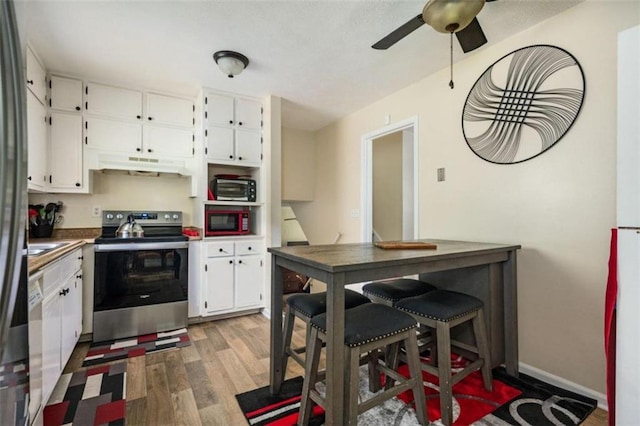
<point x="231" y="63"/>
<point x="442" y="15"/>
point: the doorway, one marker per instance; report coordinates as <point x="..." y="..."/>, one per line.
<point x="389" y="190"/>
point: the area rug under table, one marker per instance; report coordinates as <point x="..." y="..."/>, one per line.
<point x="95" y="396"/>
<point x="113" y="350"/>
<point x="524" y="400"/>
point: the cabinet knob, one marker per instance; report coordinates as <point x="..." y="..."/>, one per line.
<point x="239" y="158"/>
<point x="231" y="157"/>
<point x="230" y="262"/>
<point x="138" y="149"/>
<point x="29" y="178"/>
<point x="239" y="261"/>
<point x="149" y="150"/>
<point x="29" y="81"/>
<point x="239" y="123"/>
<point x="150" y="118"/>
<point x="249" y="248"/>
<point x="80" y="257"/>
<point x="77" y="108"/>
<point x="78" y="184"/>
<point x="138" y="117"/>
<point x="230" y="121"/>
<point x="221" y="250"/>
<point x="79" y="276"/>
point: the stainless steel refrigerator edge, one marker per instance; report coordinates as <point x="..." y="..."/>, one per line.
<point x="14" y="351"/>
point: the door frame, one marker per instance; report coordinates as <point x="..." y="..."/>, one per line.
<point x="410" y="167"/>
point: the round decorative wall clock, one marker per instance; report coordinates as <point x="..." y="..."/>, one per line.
<point x="523" y="104"/>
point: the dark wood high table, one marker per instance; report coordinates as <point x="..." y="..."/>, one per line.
<point x="485" y="270"/>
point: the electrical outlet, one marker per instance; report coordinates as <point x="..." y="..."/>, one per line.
<point x="96" y="211"/>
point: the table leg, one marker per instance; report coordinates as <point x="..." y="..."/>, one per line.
<point x="509" y="272"/>
<point x="275" y="342"/>
<point x="335" y="351"/>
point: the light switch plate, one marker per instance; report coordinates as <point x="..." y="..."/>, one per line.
<point x="441" y="174"/>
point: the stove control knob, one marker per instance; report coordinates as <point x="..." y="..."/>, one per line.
<point x="176" y="217"/>
<point x="109" y="216"/>
<point x="119" y="216"/>
<point x="167" y="217"/>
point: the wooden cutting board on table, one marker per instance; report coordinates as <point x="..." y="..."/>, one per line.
<point x="402" y="245"/>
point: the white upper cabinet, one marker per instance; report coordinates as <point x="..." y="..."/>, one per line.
<point x="113" y="135"/>
<point x="37" y="143"/>
<point x="220" y="110"/>
<point x="115" y="102"/>
<point x="65" y="153"/>
<point x="168" y="141"/>
<point x="249" y="114"/>
<point x="66" y="93"/>
<point x="169" y="110"/>
<point x="233" y="131"/>
<point x="36" y="76"/>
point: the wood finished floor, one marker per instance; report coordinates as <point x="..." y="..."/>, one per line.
<point x="196" y="385"/>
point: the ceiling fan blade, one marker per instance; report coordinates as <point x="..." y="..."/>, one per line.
<point x="399" y="33"/>
<point x="471" y="37"/>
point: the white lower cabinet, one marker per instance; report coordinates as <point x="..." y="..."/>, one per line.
<point x="233" y="276"/>
<point x="61" y="316"/>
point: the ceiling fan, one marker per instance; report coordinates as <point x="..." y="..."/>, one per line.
<point x="445" y="16"/>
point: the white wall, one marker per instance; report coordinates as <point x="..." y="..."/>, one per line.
<point x="559" y="206"/>
<point x="122" y="191"/>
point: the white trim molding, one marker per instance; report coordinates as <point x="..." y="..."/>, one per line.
<point x="563" y="383"/>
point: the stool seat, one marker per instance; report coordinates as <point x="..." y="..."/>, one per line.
<point x="394" y="290"/>
<point x="314" y="304"/>
<point x="441" y="305"/>
<point x="368" y="323"/>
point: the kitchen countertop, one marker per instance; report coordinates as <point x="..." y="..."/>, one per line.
<point x="36" y="263"/>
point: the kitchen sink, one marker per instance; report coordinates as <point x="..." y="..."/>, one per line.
<point x="37" y="249"/>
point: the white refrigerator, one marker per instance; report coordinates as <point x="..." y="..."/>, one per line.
<point x="627" y="400"/>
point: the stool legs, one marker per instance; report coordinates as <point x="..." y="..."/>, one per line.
<point x="444" y="372"/>
<point x="314" y="346"/>
<point x="483" y="350"/>
<point x="413" y="360"/>
<point x="287" y="332"/>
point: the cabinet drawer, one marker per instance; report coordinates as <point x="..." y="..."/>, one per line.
<point x="70" y="265"/>
<point x="248" y="247"/>
<point x="219" y="249"/>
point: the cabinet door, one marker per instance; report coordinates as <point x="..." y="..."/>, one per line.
<point x="66" y="94"/>
<point x="248" y="281"/>
<point x="168" y="141"/>
<point x="249" y="114"/>
<point x="65" y="152"/>
<point x="37" y="143"/>
<point x="112" y="135"/>
<point x="220" y="110"/>
<point x="71" y="317"/>
<point x="114" y="102"/>
<point x="169" y="110"/>
<point x="220" y="144"/>
<point x="248" y="147"/>
<point x="36" y="76"/>
<point x="50" y="343"/>
<point x="219" y="282"/>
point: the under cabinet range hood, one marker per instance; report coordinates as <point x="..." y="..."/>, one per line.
<point x="100" y="160"/>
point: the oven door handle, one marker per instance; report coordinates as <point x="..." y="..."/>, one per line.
<point x="141" y="246"/>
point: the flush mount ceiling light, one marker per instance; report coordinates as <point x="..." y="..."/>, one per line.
<point x="231" y="63"/>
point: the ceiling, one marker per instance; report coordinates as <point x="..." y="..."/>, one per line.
<point x="315" y="54"/>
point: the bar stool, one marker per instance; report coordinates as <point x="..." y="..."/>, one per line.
<point x="306" y="306"/>
<point x="368" y="328"/>
<point x="391" y="291"/>
<point x="442" y="310"/>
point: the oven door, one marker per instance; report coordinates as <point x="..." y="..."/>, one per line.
<point x="139" y="288"/>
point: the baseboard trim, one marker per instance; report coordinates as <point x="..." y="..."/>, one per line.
<point x="565" y="384"/>
<point x="267" y="313"/>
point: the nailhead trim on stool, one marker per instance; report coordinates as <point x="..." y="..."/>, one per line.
<point x="442" y="310"/>
<point x="392" y="291"/>
<point x="367" y="329"/>
<point x="305" y="306"/>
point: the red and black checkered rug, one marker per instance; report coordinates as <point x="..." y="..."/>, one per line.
<point x="113" y="350"/>
<point x="95" y="396"/>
